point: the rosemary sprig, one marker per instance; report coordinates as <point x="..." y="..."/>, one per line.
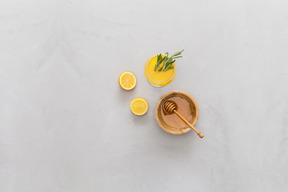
<point x="167" y="61"/>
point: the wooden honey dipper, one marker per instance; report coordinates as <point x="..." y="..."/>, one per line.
<point x="171" y="107"/>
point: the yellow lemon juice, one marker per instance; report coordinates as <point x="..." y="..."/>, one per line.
<point x="158" y="78"/>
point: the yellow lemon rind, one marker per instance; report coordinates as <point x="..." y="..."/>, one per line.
<point x="144" y="112"/>
<point x="125" y="88"/>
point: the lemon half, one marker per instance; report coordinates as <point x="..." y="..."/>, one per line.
<point x="127" y="80"/>
<point x="139" y="106"/>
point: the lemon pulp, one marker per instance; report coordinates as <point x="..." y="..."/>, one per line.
<point x="139" y="106"/>
<point x="127" y="80"/>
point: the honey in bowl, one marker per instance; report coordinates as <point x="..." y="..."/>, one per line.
<point x="186" y="106"/>
<point x="183" y="107"/>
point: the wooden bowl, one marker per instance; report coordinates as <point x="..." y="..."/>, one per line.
<point x="187" y="107"/>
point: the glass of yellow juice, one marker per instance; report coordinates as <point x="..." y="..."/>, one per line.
<point x="158" y="78"/>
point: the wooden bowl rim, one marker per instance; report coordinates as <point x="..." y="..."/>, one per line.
<point x="184" y="130"/>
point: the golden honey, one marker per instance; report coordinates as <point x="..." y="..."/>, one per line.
<point x="183" y="107"/>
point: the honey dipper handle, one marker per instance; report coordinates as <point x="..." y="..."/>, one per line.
<point x="180" y="116"/>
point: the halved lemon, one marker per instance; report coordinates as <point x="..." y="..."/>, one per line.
<point x="127" y="80"/>
<point x="139" y="106"/>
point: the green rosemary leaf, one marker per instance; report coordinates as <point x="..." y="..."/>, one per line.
<point x="167" y="61"/>
<point x="169" y="65"/>
<point x="177" y="53"/>
<point x="159" y="61"/>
